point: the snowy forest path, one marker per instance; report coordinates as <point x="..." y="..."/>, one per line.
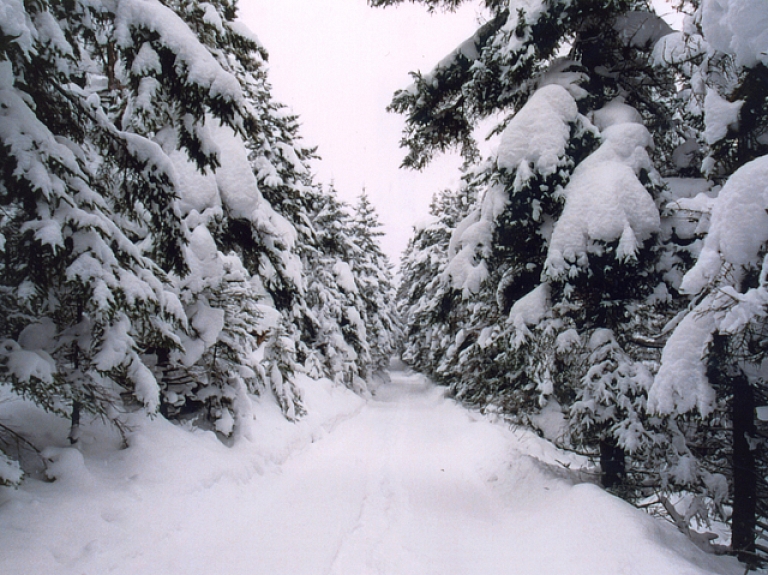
<point x="417" y="485"/>
<point x="410" y="483"/>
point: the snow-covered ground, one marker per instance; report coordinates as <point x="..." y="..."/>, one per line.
<point x="406" y="483"/>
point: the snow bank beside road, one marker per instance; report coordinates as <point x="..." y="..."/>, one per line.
<point x="412" y="484"/>
<point x="108" y="506"/>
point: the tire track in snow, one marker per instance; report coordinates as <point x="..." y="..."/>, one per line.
<point x="360" y="550"/>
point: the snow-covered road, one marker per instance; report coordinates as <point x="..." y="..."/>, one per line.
<point x="410" y="484"/>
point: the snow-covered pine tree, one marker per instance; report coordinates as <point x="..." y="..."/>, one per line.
<point x="542" y="262"/>
<point x="373" y="273"/>
<point x="422" y="288"/>
<point x="323" y="239"/>
<point x="83" y="280"/>
<point x="117" y="129"/>
<point x="338" y="335"/>
<point x="231" y="228"/>
<point x="712" y="366"/>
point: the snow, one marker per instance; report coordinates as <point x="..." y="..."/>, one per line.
<point x="39" y="335"/>
<point x="146" y="389"/>
<point x="720" y="115"/>
<point x="639" y="29"/>
<point x="243" y="30"/>
<point x="531" y="308"/>
<point x="205" y="265"/>
<point x="344" y="277"/>
<point x="211" y="16"/>
<point x="738" y="227"/>
<point x="471" y="237"/>
<point x="173" y="33"/>
<point x="146" y="61"/>
<point x="29" y="141"/>
<point x="677" y="48"/>
<point x="10" y="471"/>
<point x="681" y="384"/>
<point x="117" y="344"/>
<point x="531" y="11"/>
<point x="25" y="364"/>
<point x="66" y="465"/>
<point x="14" y="23"/>
<point x="467" y="50"/>
<point x="613" y="113"/>
<point x="406" y="483"/>
<point x="537" y="136"/>
<point x="738" y="27"/>
<point x="208" y="322"/>
<point x="235" y="178"/>
<point x="605" y="201"/>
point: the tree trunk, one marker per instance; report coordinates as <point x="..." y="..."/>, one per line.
<point x="612" y="464"/>
<point x="744" y="472"/>
<point x="74" y="429"/>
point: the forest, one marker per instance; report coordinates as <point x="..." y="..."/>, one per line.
<point x="599" y="279"/>
<point x="166" y="248"/>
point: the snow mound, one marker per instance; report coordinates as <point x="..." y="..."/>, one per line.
<point x="536" y="138"/>
<point x="605" y="201"/>
<point x="738" y="228"/>
<point x="738" y="27"/>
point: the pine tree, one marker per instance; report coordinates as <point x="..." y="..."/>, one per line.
<point x="708" y="375"/>
<point x="422" y="288"/>
<point x="374" y="277"/>
<point x="552" y="254"/>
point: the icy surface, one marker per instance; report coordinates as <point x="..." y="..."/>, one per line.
<point x="408" y="484"/>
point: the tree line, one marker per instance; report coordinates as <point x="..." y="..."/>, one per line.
<point x="601" y="277"/>
<point x="165" y="246"/>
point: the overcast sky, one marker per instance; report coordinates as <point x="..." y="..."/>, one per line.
<point x="337" y="63"/>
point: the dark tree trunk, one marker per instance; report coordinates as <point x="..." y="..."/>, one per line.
<point x="612" y="464"/>
<point x="163" y="361"/>
<point x="744" y="518"/>
<point x="74" y="429"/>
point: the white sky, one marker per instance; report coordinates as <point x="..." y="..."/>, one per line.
<point x="336" y="63"/>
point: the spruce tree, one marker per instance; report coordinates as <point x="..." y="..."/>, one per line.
<point x="374" y="276"/>
<point x="232" y="229"/>
<point x="565" y="238"/>
<point x="335" y="296"/>
<point x="126" y="137"/>
<point x="422" y="288"/>
<point x="83" y="280"/>
<point x="709" y="375"/>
